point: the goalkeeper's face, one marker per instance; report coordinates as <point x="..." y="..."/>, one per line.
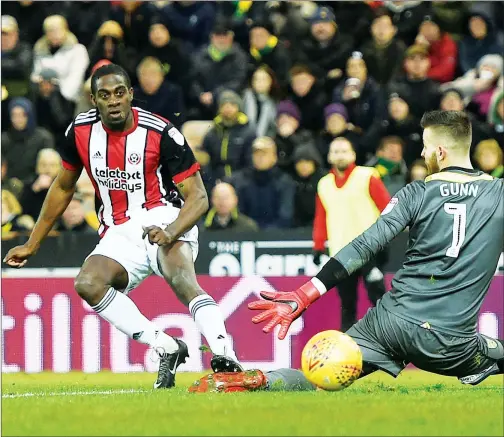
<point x="431" y="151"/>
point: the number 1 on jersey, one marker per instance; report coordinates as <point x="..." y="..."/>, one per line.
<point x="458" y="210"/>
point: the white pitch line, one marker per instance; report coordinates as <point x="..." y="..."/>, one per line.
<point x="72" y="393"/>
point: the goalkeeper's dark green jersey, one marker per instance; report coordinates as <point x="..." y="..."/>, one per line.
<point x="456" y="231"/>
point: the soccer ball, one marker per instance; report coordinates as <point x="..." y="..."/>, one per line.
<point x="331" y="360"/>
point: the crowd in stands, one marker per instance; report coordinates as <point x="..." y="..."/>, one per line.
<point x="260" y="90"/>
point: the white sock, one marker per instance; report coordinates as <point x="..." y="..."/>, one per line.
<point x="210" y="323"/>
<point x="119" y="310"/>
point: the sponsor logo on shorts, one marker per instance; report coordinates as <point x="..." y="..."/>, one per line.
<point x="120" y="180"/>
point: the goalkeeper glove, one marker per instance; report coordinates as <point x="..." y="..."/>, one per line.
<point x="283" y="307"/>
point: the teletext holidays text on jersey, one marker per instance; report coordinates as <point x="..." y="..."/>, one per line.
<point x="117" y="179"/>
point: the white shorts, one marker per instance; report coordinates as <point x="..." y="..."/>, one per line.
<point x="123" y="243"/>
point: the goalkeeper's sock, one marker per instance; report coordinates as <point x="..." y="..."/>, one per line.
<point x="209" y="320"/>
<point x="119" y="310"/>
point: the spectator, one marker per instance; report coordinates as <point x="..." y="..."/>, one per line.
<point x="189" y="21"/>
<point x="399" y="122"/>
<point x="384" y="53"/>
<point x="354" y="18"/>
<point x="134" y="17"/>
<point x="60" y="51"/>
<point x="309" y="96"/>
<point x="359" y="93"/>
<point x="326" y="50"/>
<point x="158" y="95"/>
<point x="85" y="17"/>
<point x="289" y="135"/>
<point x="453" y="100"/>
<point x="407" y="17"/>
<point x="451" y="16"/>
<point x="229" y="141"/>
<point x="54" y="112"/>
<point x="35" y="191"/>
<point x="390" y="164"/>
<point x="23" y="139"/>
<point x="84" y="103"/>
<point x="16" y="59"/>
<point x="12" y="219"/>
<point x="259" y="101"/>
<point x="336" y="125"/>
<point x="109" y="45"/>
<point x="496" y="116"/>
<point x="265" y="193"/>
<point x="489" y="158"/>
<point x="14" y="185"/>
<point x="308" y="172"/>
<point x="418" y="171"/>
<point x="175" y="60"/>
<point x="480" y="39"/>
<point x="424" y="91"/>
<point x="224" y="214"/>
<point x="363" y="196"/>
<point x="74" y="218"/>
<point x="265" y="49"/>
<point x="479" y="84"/>
<point x="219" y="66"/>
<point x="442" y="50"/>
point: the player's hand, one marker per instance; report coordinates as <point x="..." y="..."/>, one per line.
<point x="282" y="308"/>
<point x="157" y="235"/>
<point x="18" y="256"/>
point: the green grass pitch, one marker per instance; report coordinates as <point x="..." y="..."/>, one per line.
<point x="107" y="404"/>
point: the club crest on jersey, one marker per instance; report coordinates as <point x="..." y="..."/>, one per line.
<point x="134" y="158"/>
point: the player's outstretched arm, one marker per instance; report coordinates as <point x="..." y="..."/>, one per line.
<point x="282" y="308"/>
<point x="58" y="197"/>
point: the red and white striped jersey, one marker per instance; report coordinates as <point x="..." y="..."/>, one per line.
<point x="130" y="170"/>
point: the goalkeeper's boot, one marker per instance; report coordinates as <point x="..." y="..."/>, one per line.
<point x="223" y="363"/>
<point x="168" y="365"/>
<point x="228" y="382"/>
<point x="480" y="377"/>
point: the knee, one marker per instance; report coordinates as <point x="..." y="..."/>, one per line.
<point x="90" y="287"/>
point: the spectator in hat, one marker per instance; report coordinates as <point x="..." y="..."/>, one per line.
<point x="418" y="171"/>
<point x="54" y="112"/>
<point x="222" y="65"/>
<point x="337" y="125"/>
<point x="266" y="49"/>
<point x="442" y="50"/>
<point x="229" y="140"/>
<point x="389" y="163"/>
<point x="384" y="52"/>
<point x="307" y="174"/>
<point x="289" y="136"/>
<point x="16" y="59"/>
<point x="453" y="100"/>
<point x="398" y="122"/>
<point x="158" y="95"/>
<point x="479" y="84"/>
<point x="259" y="101"/>
<point x="74" y="218"/>
<point x="326" y="49"/>
<point x="23" y="139"/>
<point x="170" y="51"/>
<point x="359" y="93"/>
<point x="224" y="213"/>
<point x="479" y="39"/>
<point x="488" y="157"/>
<point x="265" y="193"/>
<point x="308" y="95"/>
<point x="60" y="51"/>
<point x="407" y="16"/>
<point x="423" y="90"/>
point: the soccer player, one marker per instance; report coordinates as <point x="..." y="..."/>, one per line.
<point x="138" y="163"/>
<point x="456" y="231"/>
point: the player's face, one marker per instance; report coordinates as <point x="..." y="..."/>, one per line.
<point x="341" y="154"/>
<point x="432" y="152"/>
<point x="113" y="100"/>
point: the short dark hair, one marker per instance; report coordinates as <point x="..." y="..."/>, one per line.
<point x="382" y="12"/>
<point x="391" y="139"/>
<point x="105" y="71"/>
<point x="455" y="124"/>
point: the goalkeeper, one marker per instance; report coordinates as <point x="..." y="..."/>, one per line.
<point x="456" y="231"/>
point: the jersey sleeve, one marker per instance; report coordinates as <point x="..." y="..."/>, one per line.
<point x="397" y="215"/>
<point x="67" y="149"/>
<point x="177" y="157"/>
